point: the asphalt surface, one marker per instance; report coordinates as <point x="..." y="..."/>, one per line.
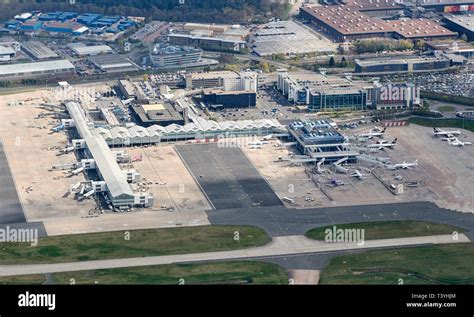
<point x="11" y="210"/>
<point x="281" y="221"/>
<point x="227" y="176"/>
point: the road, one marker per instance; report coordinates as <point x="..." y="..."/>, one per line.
<point x="289" y="245"/>
<point x="282" y="221"/>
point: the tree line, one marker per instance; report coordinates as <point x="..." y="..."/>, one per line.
<point x="218" y="11"/>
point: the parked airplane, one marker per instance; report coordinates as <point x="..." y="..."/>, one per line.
<point x="76" y="171"/>
<point x="457" y="142"/>
<point x="267" y="137"/>
<point x="58" y="128"/>
<point x="358" y="174"/>
<point x="438" y="132"/>
<point x="255" y="146"/>
<point x="403" y="165"/>
<point x="257" y="143"/>
<point x="383" y="144"/>
<point x="373" y="132"/>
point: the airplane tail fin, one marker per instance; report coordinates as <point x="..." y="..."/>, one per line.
<point x="384" y="129"/>
<point x="395" y="140"/>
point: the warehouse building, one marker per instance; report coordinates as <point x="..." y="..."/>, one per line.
<point x="219" y="99"/>
<point x="37" y="50"/>
<point x="82" y="49"/>
<point x="117" y="187"/>
<point x="6" y="53"/>
<point x="319" y="139"/>
<point x="113" y="63"/>
<point x="346" y="23"/>
<point x="162" y="114"/>
<point x="461" y="23"/>
<point x="401" y="64"/>
<point x="37" y="69"/>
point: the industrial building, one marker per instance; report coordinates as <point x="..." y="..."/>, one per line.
<point x="346" y="23"/>
<point x="37" y="50"/>
<point x="6" y="53"/>
<point x="320" y="140"/>
<point x="162" y="114"/>
<point x="37" y="69"/>
<point x="116" y="186"/>
<point x="69" y="23"/>
<point x="82" y="49"/>
<point x="113" y="63"/>
<point x="219" y="99"/>
<point x="401" y="64"/>
<point x="171" y="57"/>
<point x="225" y="80"/>
<point x="198" y="129"/>
<point x="461" y="23"/>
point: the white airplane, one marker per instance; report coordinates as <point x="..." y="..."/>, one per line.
<point x="373" y="132"/>
<point x="358" y="174"/>
<point x="457" y="142"/>
<point x="383" y="144"/>
<point x="403" y="165"/>
<point x="76" y="171"/>
<point x="318" y="166"/>
<point x="438" y="132"/>
<point x="66" y="150"/>
<point x="255" y="146"/>
<point x="267" y="137"/>
<point x="258" y="143"/>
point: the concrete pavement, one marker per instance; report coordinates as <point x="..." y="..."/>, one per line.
<point x="286" y="245"/>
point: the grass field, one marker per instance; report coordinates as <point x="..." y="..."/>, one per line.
<point x="232" y="272"/>
<point x="113" y="245"/>
<point x="23" y="280"/>
<point x="435" y="264"/>
<point x="444" y="123"/>
<point x="389" y="229"/>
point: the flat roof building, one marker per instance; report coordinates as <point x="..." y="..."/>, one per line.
<point x="170" y="56"/>
<point x="461" y="23"/>
<point x="347" y="23"/>
<point x="37" y="50"/>
<point x="36" y="69"/>
<point x="81" y="49"/>
<point x="6" y="53"/>
<point x="112" y="63"/>
<point x="230" y="99"/>
<point x="319" y="139"/>
<point x="401" y="64"/>
<point x="453" y="47"/>
<point x="162" y="114"/>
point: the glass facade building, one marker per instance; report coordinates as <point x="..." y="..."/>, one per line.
<point x="334" y="100"/>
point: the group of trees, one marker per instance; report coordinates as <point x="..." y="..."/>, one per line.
<point x="380" y="45"/>
<point x="218" y="11"/>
